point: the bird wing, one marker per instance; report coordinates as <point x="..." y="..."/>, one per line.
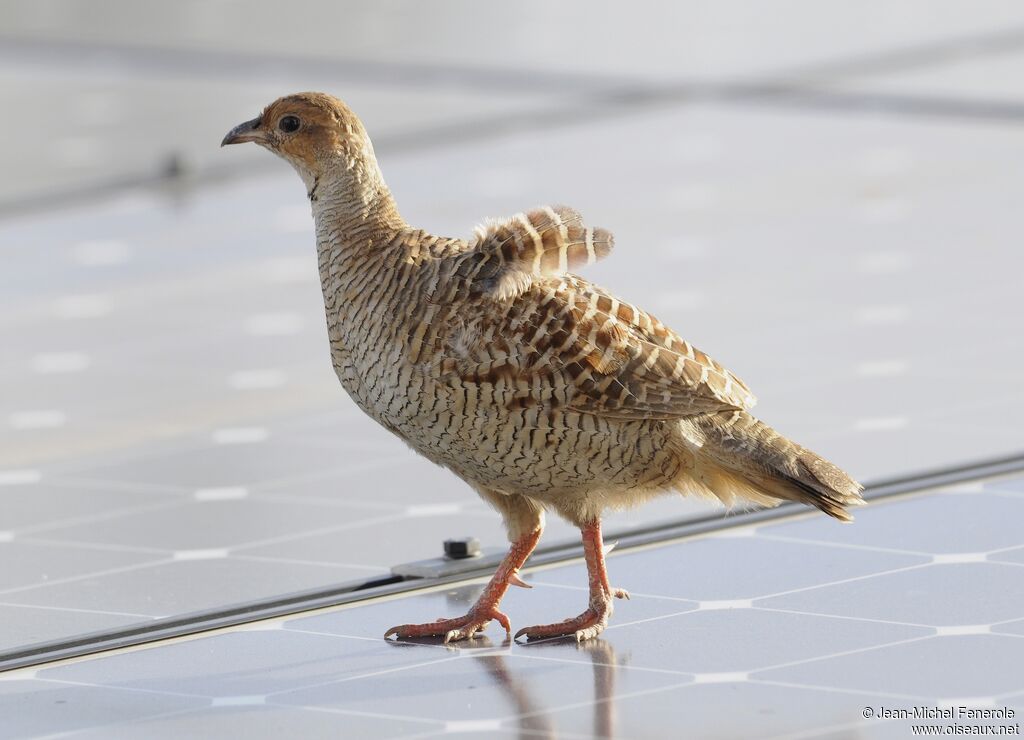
<point x="548" y="241"/>
<point x="566" y="342"/>
<point x="636" y="367"/>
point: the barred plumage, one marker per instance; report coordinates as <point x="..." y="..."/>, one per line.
<point x="547" y="241"/>
<point x="536" y="387"/>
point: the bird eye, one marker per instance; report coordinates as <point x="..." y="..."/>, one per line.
<point x="289" y="124"/>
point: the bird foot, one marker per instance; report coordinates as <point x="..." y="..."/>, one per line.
<point x="453" y="630"/>
<point x="586" y="626"/>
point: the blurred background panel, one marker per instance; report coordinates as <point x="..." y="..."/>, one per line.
<point x="824" y="196"/>
<point x="104" y="91"/>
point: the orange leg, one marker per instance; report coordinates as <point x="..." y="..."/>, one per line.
<point x="486" y="607"/>
<point x="593" y="621"/>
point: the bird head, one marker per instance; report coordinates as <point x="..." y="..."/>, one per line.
<point x="317" y="133"/>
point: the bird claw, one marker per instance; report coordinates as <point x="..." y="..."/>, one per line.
<point x="586" y="626"/>
<point x="514" y="580"/>
<point x="453" y="630"/>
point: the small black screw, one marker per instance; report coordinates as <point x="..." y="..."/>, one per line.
<point x="460" y="548"/>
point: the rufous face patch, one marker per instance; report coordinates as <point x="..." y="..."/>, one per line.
<point x="306" y="127"/>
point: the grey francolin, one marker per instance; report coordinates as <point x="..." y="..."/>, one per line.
<point x="536" y="387"/>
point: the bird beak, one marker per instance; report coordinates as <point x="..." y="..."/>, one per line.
<point x="244" y="132"/>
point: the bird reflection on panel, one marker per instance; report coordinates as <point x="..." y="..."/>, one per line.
<point x="534" y="719"/>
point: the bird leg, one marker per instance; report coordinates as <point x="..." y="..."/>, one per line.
<point x="593" y="621"/>
<point x="486" y="607"/>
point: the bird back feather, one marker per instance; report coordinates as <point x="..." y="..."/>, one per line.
<point x="546" y="241"/>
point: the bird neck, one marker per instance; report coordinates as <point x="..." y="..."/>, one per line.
<point x="351" y="202"/>
<point x="356" y="218"/>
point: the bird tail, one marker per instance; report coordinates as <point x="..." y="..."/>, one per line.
<point x="741" y="456"/>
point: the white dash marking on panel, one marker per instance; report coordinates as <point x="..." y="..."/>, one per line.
<point x="882" y="368"/>
<point x="695" y="147"/>
<point x="884" y="210"/>
<point x="247" y="380"/>
<point x="680" y="301"/>
<point x="473" y="725"/>
<point x="736" y="532"/>
<point x="224" y="493"/>
<point x="946" y="558"/>
<point x="60" y="362"/>
<point x="881" y="423"/>
<point x="20" y="674"/>
<point x="963" y="629"/>
<point x="974" y="702"/>
<point x="19" y="477"/>
<point x="726" y="604"/>
<point x="432" y="509"/>
<point x="77" y="151"/>
<point x="882" y="314"/>
<point x="238" y="701"/>
<point x="884" y="263"/>
<point x="240" y="435"/>
<point x="37" y="419"/>
<point x="210" y="554"/>
<point x="684" y="248"/>
<point x="696" y="197"/>
<point x="885" y="161"/>
<point x="100" y="253"/>
<point x="288" y="270"/>
<point x="85" y="306"/>
<point x="720" y="677"/>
